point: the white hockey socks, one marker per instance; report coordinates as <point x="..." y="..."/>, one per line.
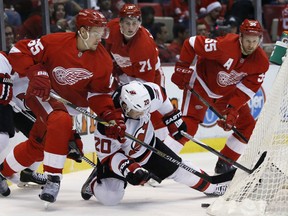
<point x="4" y="142"/>
<point x="173" y="144"/>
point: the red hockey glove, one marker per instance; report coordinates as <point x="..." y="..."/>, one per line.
<point x="134" y="173"/>
<point x="39" y="84"/>
<point x="75" y="147"/>
<point x="116" y="124"/>
<point x="175" y="124"/>
<point x="6" y="88"/>
<point x="230" y="115"/>
<point x="182" y="75"/>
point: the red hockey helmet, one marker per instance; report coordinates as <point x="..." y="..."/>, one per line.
<point x="251" y="27"/>
<point x="90" y="18"/>
<point x="130" y="10"/>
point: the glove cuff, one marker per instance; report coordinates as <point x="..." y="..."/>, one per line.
<point x="6" y="78"/>
<point x="109" y="115"/>
<point x="34" y="69"/>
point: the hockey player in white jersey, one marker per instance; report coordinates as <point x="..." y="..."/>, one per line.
<point x="119" y="163"/>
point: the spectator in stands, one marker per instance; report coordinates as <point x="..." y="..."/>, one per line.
<point x="180" y="33"/>
<point x="105" y="9"/>
<point x="283" y="20"/>
<point x="13" y="17"/>
<point x="148" y="14"/>
<point x="72" y="8"/>
<point x="59" y="18"/>
<point x="32" y="26"/>
<point x="213" y="14"/>
<point x="118" y="4"/>
<point x="234" y="24"/>
<point x="159" y="32"/>
<point x="229" y="25"/>
<point x="58" y="12"/>
<point x="180" y="11"/>
<point x="242" y="9"/>
<point x="23" y="7"/>
<point x="10" y="36"/>
<point x="201" y="29"/>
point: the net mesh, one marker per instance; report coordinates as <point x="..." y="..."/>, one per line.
<point x="265" y="191"/>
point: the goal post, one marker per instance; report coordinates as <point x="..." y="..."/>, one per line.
<point x="265" y="191"/>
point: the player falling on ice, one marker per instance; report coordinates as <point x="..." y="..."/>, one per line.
<point x="119" y="163"/>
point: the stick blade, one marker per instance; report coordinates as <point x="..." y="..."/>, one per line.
<point x="228" y="176"/>
<point x="260" y="161"/>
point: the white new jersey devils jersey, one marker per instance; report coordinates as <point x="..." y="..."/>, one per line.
<point x="141" y="128"/>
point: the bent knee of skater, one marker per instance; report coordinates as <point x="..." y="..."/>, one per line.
<point x="108" y="197"/>
<point x="110" y="191"/>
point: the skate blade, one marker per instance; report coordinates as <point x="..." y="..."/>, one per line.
<point x="29" y="185"/>
<point x="152" y="183"/>
<point x="46" y="204"/>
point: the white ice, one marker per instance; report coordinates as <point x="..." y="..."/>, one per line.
<point x="169" y="198"/>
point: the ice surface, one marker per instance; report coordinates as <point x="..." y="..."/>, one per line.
<point x="169" y="198"/>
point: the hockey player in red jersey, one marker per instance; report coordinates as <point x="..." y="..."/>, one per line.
<point x="135" y="57"/>
<point x="78" y="68"/>
<point x="133" y="49"/>
<point x="228" y="73"/>
<point x="131" y="162"/>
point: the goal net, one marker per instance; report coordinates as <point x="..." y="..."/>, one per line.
<point x="265" y="191"/>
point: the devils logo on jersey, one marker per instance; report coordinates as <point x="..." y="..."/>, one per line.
<point x="139" y="134"/>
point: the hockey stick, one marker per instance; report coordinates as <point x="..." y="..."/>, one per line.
<point x="212" y="179"/>
<point x="32" y="118"/>
<point x="229" y="160"/>
<point x="216" y="113"/>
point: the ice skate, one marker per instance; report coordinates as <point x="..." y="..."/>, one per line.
<point x="50" y="189"/>
<point x="4" y="189"/>
<point x="31" y="179"/>
<point x="219" y="191"/>
<point x="223" y="167"/>
<point x="86" y="192"/>
<point x="152" y="183"/>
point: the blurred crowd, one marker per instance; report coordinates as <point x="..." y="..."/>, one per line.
<point x="23" y="19"/>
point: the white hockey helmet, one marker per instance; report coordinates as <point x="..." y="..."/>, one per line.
<point x="135" y="97"/>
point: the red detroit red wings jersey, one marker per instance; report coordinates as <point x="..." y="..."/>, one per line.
<point x="139" y="57"/>
<point x="74" y="75"/>
<point x="221" y="68"/>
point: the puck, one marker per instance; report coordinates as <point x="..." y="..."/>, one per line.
<point x="205" y="205"/>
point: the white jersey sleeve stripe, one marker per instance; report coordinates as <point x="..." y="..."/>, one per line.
<point x="246" y="90"/>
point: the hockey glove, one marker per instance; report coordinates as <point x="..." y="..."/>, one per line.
<point x="39" y="84"/>
<point x="75" y="147"/>
<point x="117" y="71"/>
<point x="116" y="124"/>
<point x="230" y="115"/>
<point x="134" y="173"/>
<point x="182" y="75"/>
<point x="6" y="88"/>
<point x="175" y="124"/>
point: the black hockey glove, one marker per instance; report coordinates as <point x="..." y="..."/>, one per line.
<point x="135" y="174"/>
<point x="175" y="124"/>
<point x="75" y="147"/>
